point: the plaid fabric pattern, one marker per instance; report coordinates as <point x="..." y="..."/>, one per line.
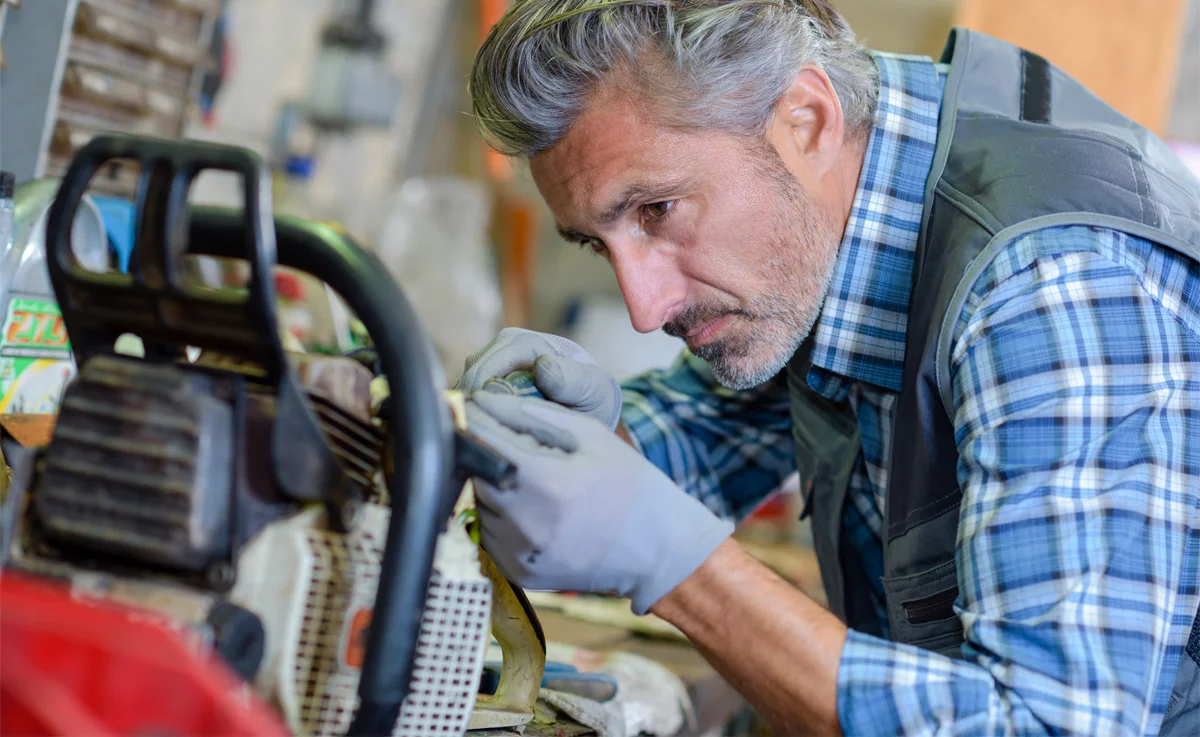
<point x="861" y="331"/>
<point x="1079" y="539"/>
<point x="729" y="449"/>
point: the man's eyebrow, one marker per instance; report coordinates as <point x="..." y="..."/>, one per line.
<point x="636" y="192"/>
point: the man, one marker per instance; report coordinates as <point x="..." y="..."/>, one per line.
<point x="961" y="299"/>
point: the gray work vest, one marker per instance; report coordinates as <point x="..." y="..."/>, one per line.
<point x="1021" y="146"/>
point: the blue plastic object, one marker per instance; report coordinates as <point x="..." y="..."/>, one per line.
<point x="299" y="167"/>
<point x="558" y="676"/>
<point x="119" y="215"/>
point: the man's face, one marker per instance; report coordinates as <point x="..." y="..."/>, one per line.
<point x="711" y="237"/>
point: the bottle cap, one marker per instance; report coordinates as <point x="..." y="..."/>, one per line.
<point x="299" y="167"/>
<point x="8" y="182"/>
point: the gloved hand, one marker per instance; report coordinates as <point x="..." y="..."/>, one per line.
<point x="563" y="372"/>
<point x="589" y="512"/>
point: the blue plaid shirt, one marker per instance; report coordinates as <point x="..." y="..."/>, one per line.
<point x="1079" y="445"/>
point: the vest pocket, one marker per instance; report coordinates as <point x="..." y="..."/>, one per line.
<point x="921" y="609"/>
<point x="933" y="608"/>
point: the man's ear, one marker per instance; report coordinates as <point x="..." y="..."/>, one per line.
<point x="807" y="127"/>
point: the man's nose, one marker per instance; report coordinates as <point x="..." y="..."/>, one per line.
<point x="651" y="285"/>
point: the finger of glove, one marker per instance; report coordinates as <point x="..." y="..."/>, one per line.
<point x="500" y="551"/>
<point x="529" y="418"/>
<point x="487" y="499"/>
<point x="490" y="521"/>
<point x="581" y="386"/>
<point x="522" y="520"/>
<point x="515" y="556"/>
<point x="589" y="432"/>
<point x="523" y="449"/>
<point x="504" y="355"/>
<point x="521" y="511"/>
<point x="502" y="339"/>
<point x="568" y="348"/>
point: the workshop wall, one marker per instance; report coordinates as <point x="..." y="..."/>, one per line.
<point x="1185" y="118"/>
<point x="274" y="44"/>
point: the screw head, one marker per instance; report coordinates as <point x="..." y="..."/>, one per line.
<point x="220" y="574"/>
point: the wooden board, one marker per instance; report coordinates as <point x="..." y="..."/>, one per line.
<point x="1126" y="51"/>
<point x="901" y="26"/>
<point x="29" y="430"/>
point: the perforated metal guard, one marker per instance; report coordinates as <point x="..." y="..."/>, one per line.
<point x="324" y="693"/>
<point x="453" y="638"/>
<point x="447" y="669"/>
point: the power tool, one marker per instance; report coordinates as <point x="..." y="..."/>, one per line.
<point x="251" y="496"/>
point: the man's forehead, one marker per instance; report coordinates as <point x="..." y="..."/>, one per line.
<point x="612" y="147"/>
<point x="604" y="141"/>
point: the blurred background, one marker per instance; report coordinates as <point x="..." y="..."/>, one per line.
<point x="360" y="106"/>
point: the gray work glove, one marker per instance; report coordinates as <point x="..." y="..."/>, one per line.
<point x="563" y="372"/>
<point x="589" y="512"/>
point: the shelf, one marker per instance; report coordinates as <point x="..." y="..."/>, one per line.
<point x="129" y="63"/>
<point x="119" y="25"/>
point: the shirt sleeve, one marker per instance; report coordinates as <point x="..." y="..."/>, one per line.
<point x="1074" y="398"/>
<point x="727" y="448"/>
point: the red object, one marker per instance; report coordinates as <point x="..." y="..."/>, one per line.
<point x="289" y="287"/>
<point x="75" y="667"/>
<point x="775" y="508"/>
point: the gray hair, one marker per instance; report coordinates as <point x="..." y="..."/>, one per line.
<point x="700" y="64"/>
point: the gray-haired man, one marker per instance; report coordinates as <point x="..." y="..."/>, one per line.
<point x="961" y="299"/>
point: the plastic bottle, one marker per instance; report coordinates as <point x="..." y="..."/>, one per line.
<point x="8" y="184"/>
<point x="35" y="356"/>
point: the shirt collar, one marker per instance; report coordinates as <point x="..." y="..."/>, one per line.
<point x="861" y="332"/>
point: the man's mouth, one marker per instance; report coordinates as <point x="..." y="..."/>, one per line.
<point x="702" y="334"/>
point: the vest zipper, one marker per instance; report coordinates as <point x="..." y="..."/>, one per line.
<point x="933" y="608"/>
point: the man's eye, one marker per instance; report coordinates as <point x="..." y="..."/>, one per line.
<point x="658" y="210"/>
<point x="593" y="245"/>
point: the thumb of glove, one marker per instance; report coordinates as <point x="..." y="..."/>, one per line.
<point x="583" y="387"/>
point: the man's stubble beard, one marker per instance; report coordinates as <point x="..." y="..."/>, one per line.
<point x="766" y="329"/>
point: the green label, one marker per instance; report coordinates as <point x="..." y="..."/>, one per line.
<point x="34" y="329"/>
<point x="35" y="357"/>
